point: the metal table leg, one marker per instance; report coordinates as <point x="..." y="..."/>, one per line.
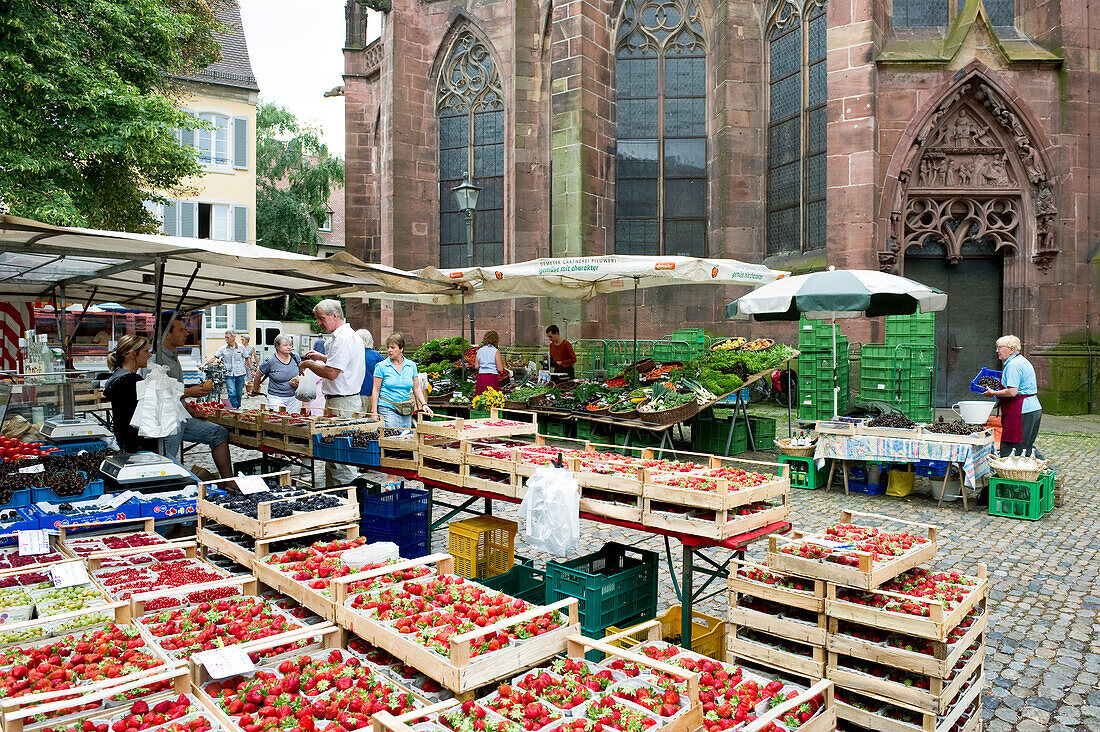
<point x="687" y="602"/>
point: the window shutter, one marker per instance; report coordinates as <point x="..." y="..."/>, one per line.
<point x="240" y="223"/>
<point x="171" y="218"/>
<point x="188" y="222"/>
<point x="240" y="143"/>
<point x="240" y="317"/>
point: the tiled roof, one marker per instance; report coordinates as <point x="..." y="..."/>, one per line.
<point x="234" y="68"/>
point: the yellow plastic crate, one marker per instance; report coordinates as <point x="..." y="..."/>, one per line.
<point x="483" y="546"/>
<point x="708" y="633"/>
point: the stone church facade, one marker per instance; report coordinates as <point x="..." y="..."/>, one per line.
<point x="947" y="140"/>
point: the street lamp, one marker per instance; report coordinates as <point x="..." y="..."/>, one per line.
<point x="466" y="196"/>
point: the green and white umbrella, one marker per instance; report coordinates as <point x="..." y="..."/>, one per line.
<point x="838" y="293"/>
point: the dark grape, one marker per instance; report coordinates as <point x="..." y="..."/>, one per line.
<point x="990" y="382"/>
<point x="897" y="421"/>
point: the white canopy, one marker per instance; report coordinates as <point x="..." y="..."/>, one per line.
<point x="97" y="265"/>
<point x="582" y="278"/>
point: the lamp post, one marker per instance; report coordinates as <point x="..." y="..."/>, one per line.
<point x="466" y="196"/>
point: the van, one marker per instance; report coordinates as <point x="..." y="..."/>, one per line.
<point x="268" y="330"/>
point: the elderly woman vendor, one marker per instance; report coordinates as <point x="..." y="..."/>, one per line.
<point x="1020" y="408"/>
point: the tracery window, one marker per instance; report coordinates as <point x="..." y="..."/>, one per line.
<point x="661" y="150"/>
<point x="470" y="107"/>
<point x="796" y="125"/>
<point x="936" y="13"/>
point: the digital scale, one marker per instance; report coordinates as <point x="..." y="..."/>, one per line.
<point x="145" y="470"/>
<point x="69" y="429"/>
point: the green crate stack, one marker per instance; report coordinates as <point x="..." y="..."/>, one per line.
<point x="524" y="580"/>
<point x="901" y="375"/>
<point x="763" y="432"/>
<point x="710" y="436"/>
<point x="815" y="383"/>
<point x="638" y="438"/>
<point x="669" y="350"/>
<point x="616" y="585"/>
<point x="553" y="427"/>
<point x="803" y="474"/>
<point x="918" y="328"/>
<point x="597" y="432"/>
<point x="817" y="335"/>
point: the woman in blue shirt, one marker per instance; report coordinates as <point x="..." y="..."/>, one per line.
<point x="372" y="358"/>
<point x="1020" y="408"/>
<point x="396" y="388"/>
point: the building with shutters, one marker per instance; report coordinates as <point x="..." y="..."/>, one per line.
<point x="948" y="140"/>
<point x="221" y="204"/>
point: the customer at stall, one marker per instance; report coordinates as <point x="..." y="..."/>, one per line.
<point x="562" y="357"/>
<point x="1020" y="408"/>
<point x="490" y="365"/>
<point x="249" y="353"/>
<point x="396" y="394"/>
<point x="371" y="358"/>
<point x="341" y="369"/>
<point x="131" y="354"/>
<point x="197" y="428"/>
<point x="232" y="355"/>
<point x="281" y="371"/>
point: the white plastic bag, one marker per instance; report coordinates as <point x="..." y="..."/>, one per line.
<point x="307" y="389"/>
<point x="551" y="510"/>
<point x="159" y="410"/>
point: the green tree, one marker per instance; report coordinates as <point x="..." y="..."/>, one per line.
<point x="295" y="175"/>
<point x="88" y="115"/>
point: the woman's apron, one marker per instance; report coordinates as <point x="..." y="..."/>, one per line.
<point x="1012" y="418"/>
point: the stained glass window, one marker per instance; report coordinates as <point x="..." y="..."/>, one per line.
<point x="470" y="107"/>
<point x="1001" y="12"/>
<point x="796" y="125"/>
<point x="661" y="153"/>
<point x="921" y="13"/>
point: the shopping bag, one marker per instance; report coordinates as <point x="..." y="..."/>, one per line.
<point x="901" y="481"/>
<point x="551" y="510"/>
<point x="159" y="411"/>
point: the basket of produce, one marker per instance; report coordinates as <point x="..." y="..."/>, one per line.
<point x="625" y="409"/>
<point x="1017" y="467"/>
<point x="667" y="406"/>
<point x="516" y="404"/>
<point x="521" y="397"/>
<point x="760" y="344"/>
<point x="791" y="448"/>
<point x="570" y="385"/>
<point x="646" y="364"/>
<point x="661" y="371"/>
<point x="730" y="344"/>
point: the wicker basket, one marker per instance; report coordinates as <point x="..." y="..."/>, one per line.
<point x="584" y="412"/>
<point x="629" y="414"/>
<point x="671" y="416"/>
<point x="515" y="405"/>
<point x="1000" y="467"/>
<point x="785" y="447"/>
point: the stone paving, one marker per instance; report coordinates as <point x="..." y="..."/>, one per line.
<point x="1043" y="643"/>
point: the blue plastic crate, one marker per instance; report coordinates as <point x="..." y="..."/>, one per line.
<point x="984" y="372"/>
<point x="409" y="532"/>
<point x="328" y="450"/>
<point x="94" y="489"/>
<point x="128" y="511"/>
<point x="152" y="508"/>
<point x="932" y="468"/>
<point x="369" y="456"/>
<point x="72" y="448"/>
<point x="395" y="503"/>
<point x="19" y="519"/>
<point x="19" y="499"/>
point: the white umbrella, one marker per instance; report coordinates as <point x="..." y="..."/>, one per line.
<point x="838" y="294"/>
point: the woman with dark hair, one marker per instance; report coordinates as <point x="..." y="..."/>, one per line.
<point x="490" y="365"/>
<point x="131" y="354"/>
<point x="397" y="393"/>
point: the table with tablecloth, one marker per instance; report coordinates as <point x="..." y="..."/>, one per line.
<point x="972" y="459"/>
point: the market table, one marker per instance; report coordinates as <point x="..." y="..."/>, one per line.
<point x="971" y="459"/>
<point x="690" y="544"/>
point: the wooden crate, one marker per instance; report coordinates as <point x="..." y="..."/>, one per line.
<point x="400" y="459"/>
<point x="723" y="498"/>
<point x="323" y="635"/>
<point x="459" y="672"/>
<point x="969" y="700"/>
<point x="246" y="584"/>
<point x="725" y="524"/>
<point x="937" y="699"/>
<point x="629" y="483"/>
<point x="443" y="449"/>
<point x="442" y="563"/>
<point x="789" y="628"/>
<point x="478" y="478"/>
<point x="985" y="437"/>
<point x="263" y="526"/>
<point x="939" y="623"/>
<point x="812" y="600"/>
<point x="629" y="508"/>
<point x="811" y="664"/>
<point x="57" y="547"/>
<point x="316" y="600"/>
<point x="94" y="561"/>
<point x="939" y="663"/>
<point x="904" y="434"/>
<point x="441" y="472"/>
<point x="470" y="456"/>
<point x="868" y="575"/>
<point x="291" y="444"/>
<point x="18" y="714"/>
<point x="475" y="429"/>
<point x="148" y="526"/>
<point x="836" y="427"/>
<point x="119" y="611"/>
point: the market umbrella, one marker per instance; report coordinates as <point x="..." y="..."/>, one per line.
<point x="833" y="294"/>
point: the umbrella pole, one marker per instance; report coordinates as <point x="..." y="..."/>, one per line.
<point x="836" y="386"/>
<point x="635" y="320"/>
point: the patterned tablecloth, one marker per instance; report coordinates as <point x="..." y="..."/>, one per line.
<point x="973" y="458"/>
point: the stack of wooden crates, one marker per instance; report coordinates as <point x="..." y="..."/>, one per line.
<point x="918" y="667"/>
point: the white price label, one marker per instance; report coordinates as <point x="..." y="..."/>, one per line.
<point x="249" y="484"/>
<point x="544" y="377"/>
<point x="69" y="574"/>
<point x="33" y="542"/>
<point x="30" y="469"/>
<point x="222" y="663"/>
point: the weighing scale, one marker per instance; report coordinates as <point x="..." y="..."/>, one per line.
<point x="145" y="471"/>
<point x="69" y="429"/>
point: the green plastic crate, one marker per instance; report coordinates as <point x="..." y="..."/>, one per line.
<point x="638" y="438"/>
<point x="553" y="427"/>
<point x="715" y="444"/>
<point x="694" y="336"/>
<point x="803" y="474"/>
<point x="525" y="581"/>
<point x="1020" y="499"/>
<point x="763" y="432"/>
<point x="597" y="432"/>
<point x="616" y="585"/>
<point x="919" y="327"/>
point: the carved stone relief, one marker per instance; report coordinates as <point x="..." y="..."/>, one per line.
<point x="954" y="221"/>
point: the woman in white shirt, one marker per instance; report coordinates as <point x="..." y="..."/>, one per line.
<point x="232" y="355"/>
<point x="490" y="365"/>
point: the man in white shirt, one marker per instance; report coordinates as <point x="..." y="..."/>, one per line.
<point x="341" y="368"/>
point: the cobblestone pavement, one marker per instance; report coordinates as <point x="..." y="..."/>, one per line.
<point x="1043" y="643"/>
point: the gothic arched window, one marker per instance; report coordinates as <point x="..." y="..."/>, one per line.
<point x="936" y="13"/>
<point x="796" y="125"/>
<point x="470" y="107"/>
<point x="661" y="158"/>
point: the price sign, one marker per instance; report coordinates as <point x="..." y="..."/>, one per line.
<point x="31" y="469"/>
<point x="33" y="542"/>
<point x="221" y="663"/>
<point x="249" y="484"/>
<point x="69" y="574"/>
<point x="544" y="377"/>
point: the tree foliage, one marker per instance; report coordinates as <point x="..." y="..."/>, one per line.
<point x="88" y="115"/>
<point x="295" y="175"/>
